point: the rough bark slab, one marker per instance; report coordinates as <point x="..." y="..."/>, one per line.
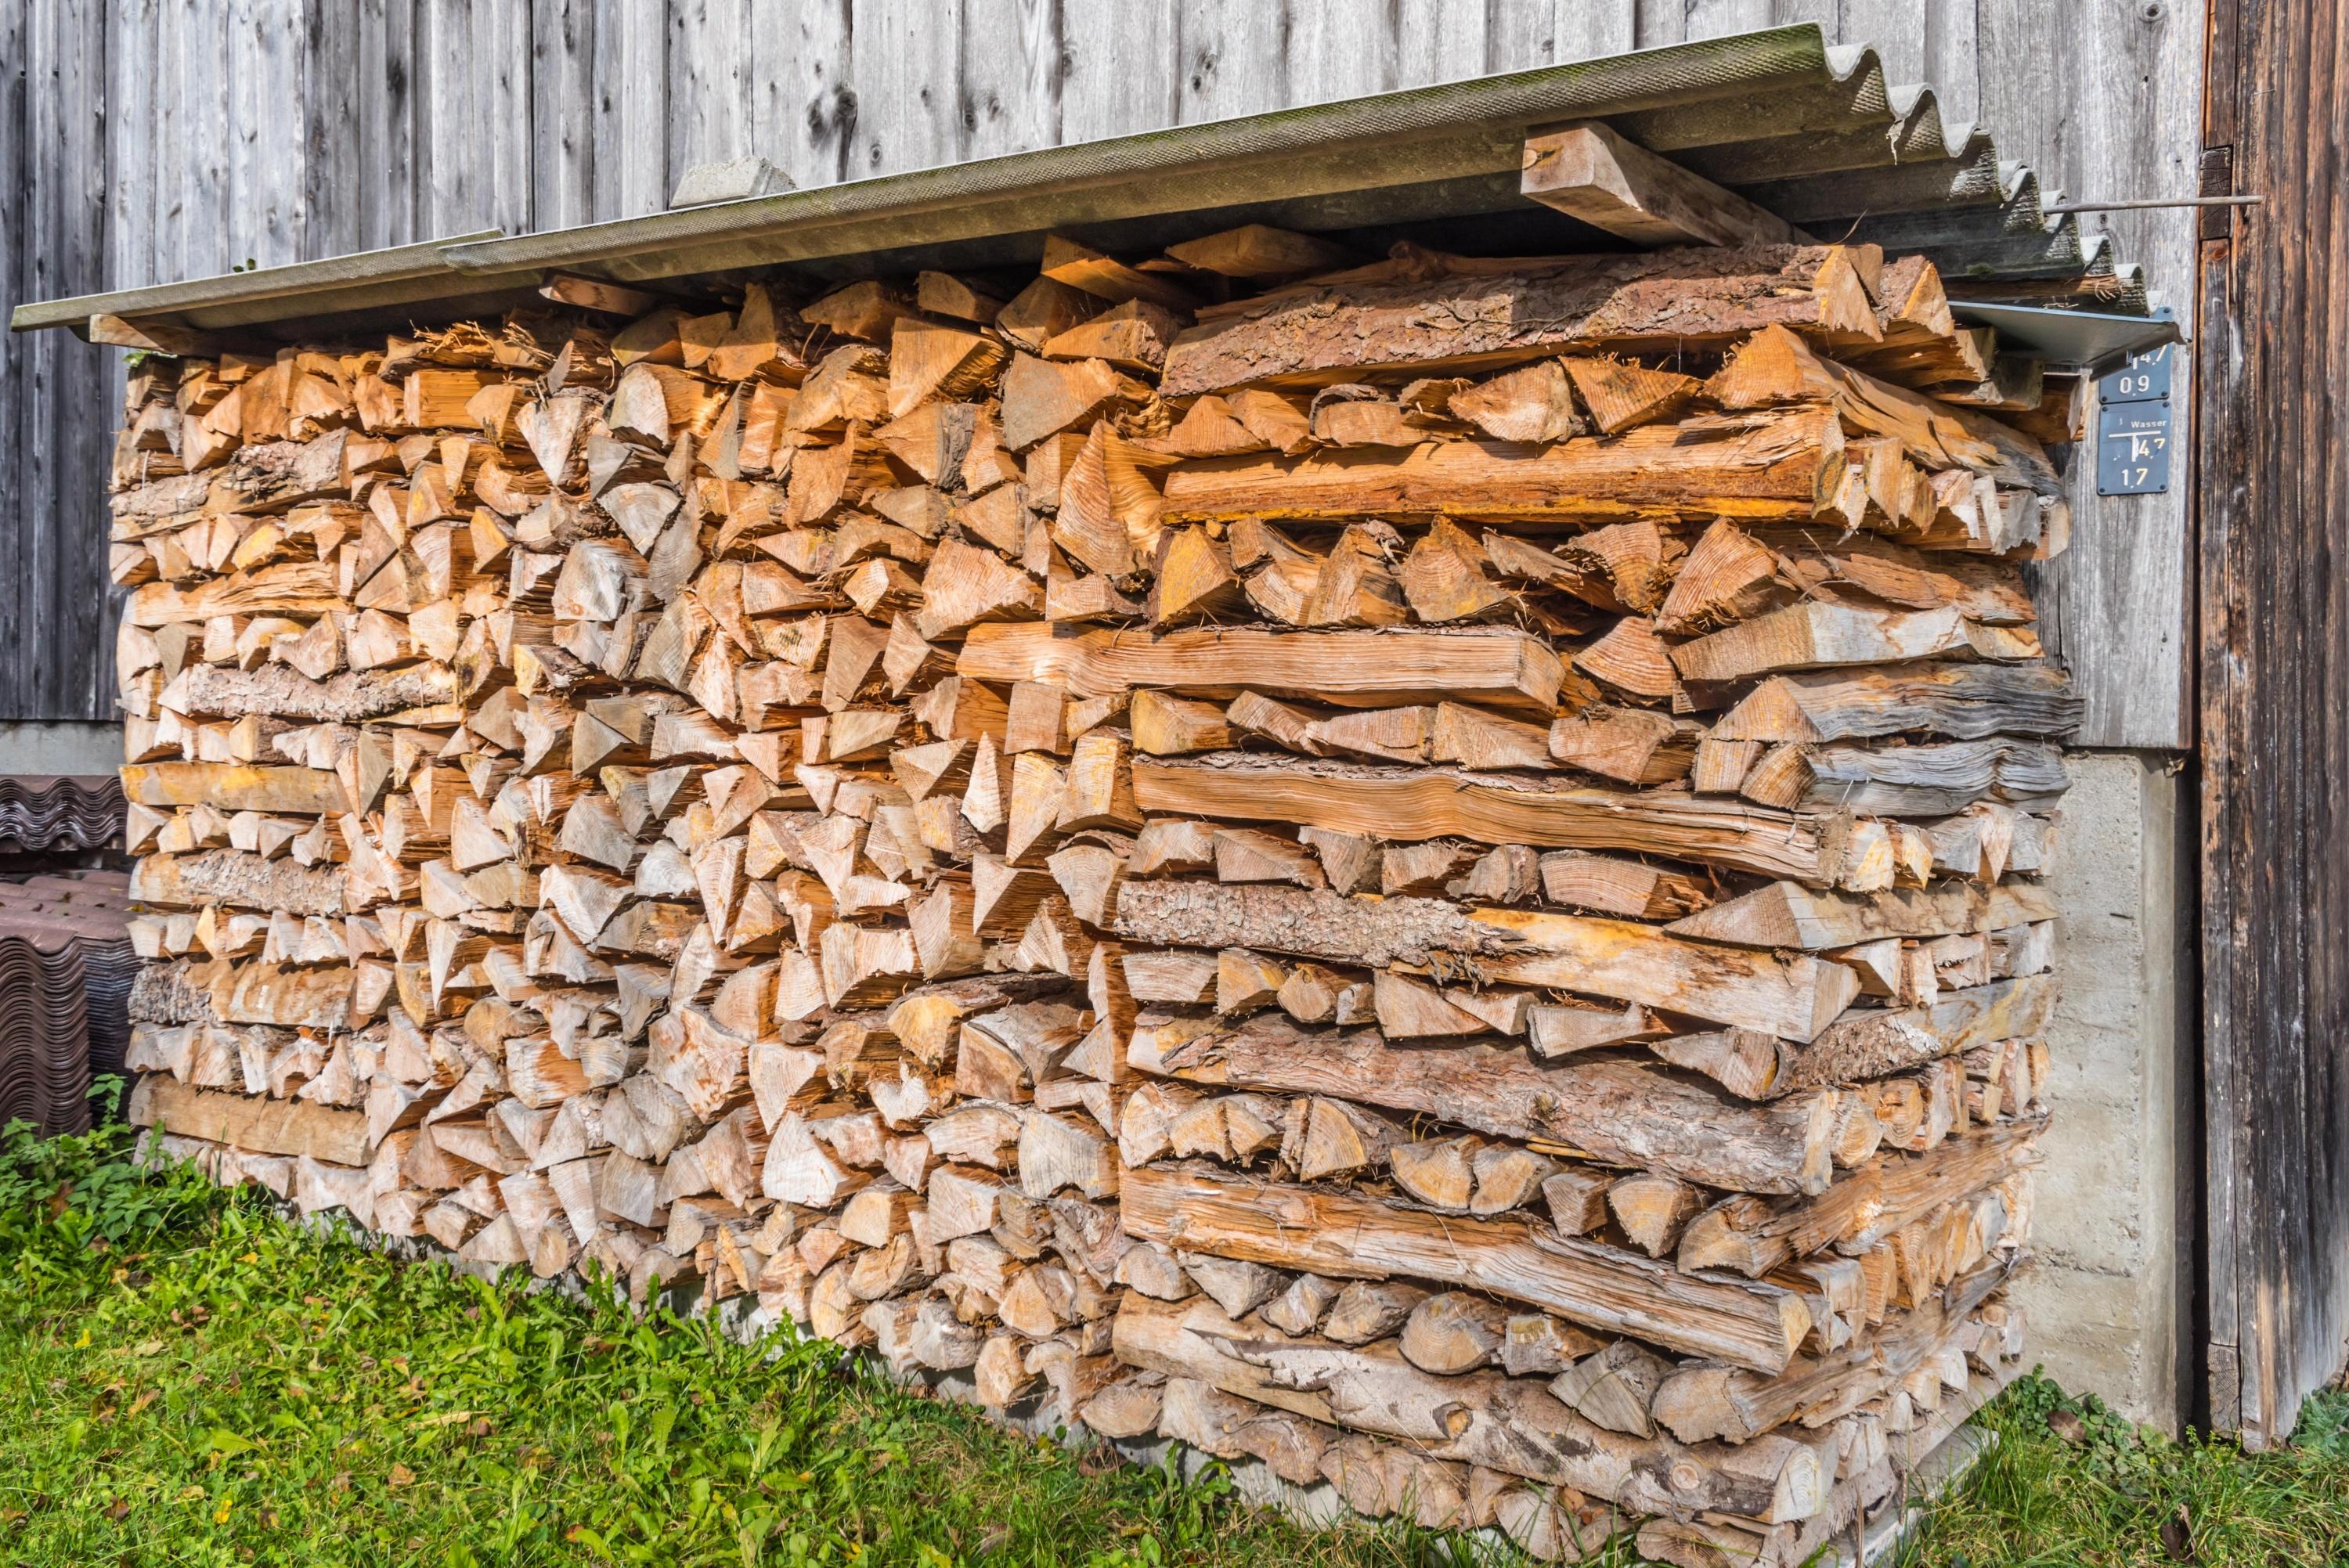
<point x="1786" y="470"/>
<point x="233" y="877"/>
<point x="1617" y="1112"/>
<point x="280" y="691"/>
<point x="1513" y="1425"/>
<point x="1625" y="960"/>
<point x="1497" y="314"/>
<point x="1867" y="1044"/>
<point x="1788" y="914"/>
<point x="1302" y="923"/>
<point x="1342" y="1236"/>
<point x="1963" y="701"/>
<point x="1430" y="802"/>
<point x="1712" y="1402"/>
<point x="178" y="991"/>
<point x="1891" y="1190"/>
<point x="1926" y="780"/>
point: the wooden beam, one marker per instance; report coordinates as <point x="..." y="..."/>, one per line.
<point x="1587" y="172"/>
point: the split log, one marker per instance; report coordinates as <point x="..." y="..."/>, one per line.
<point x="1497" y="809"/>
<point x="1342" y="1236"/>
<point x="1619" y="1112"/>
<point x="1788" y="470"/>
<point x="1477" y="312"/>
<point x="1507" y="669"/>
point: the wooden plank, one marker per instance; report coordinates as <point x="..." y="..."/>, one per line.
<point x="1009" y="71"/>
<point x="383" y="130"/>
<point x="1332" y="56"/>
<point x="67" y="394"/>
<point x="1591" y="173"/>
<point x="2113" y="607"/>
<point x="500" y="67"/>
<point x="15" y="361"/>
<point x="246" y="1121"/>
<point x="333" y="189"/>
<point x="266" y="222"/>
<point x="803" y="105"/>
<point x="2274" y="739"/>
<point x="564" y="113"/>
<point x="908" y="105"/>
<point x="1123" y="69"/>
<point x="1232" y="59"/>
<point x="631" y="163"/>
<point x="710" y="91"/>
<point x="1586" y="29"/>
<point x="1434" y="42"/>
<point x="1367" y="669"/>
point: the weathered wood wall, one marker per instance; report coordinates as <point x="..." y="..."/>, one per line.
<point x="219" y="132"/>
<point x="2274" y="720"/>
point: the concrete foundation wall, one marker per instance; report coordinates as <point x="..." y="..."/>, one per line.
<point x="63" y="745"/>
<point x="2109" y="1301"/>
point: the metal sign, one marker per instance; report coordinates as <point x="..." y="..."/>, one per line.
<point x="2144" y="377"/>
<point x="2133" y="448"/>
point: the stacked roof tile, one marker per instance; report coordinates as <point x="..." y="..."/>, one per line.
<point x="50" y="811"/>
<point x="66" y="967"/>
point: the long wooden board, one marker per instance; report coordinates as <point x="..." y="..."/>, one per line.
<point x="1366" y="669"/>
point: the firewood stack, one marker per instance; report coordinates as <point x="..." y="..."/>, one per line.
<point x="1423" y="872"/>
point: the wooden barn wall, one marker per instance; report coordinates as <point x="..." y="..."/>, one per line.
<point x="2273" y="543"/>
<point x="170" y="138"/>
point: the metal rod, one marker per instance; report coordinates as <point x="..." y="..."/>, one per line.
<point x="2165" y="202"/>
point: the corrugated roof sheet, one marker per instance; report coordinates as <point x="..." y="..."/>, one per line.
<point x="1811" y="133"/>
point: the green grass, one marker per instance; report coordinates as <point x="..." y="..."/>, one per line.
<point x="185" y="1378"/>
<point x="2094" y="1492"/>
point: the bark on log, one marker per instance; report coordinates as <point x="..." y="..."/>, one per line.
<point x="1500" y="313"/>
<point x="1493" y="809"/>
<point x="1512" y="1425"/>
<point x="1619" y="1112"/>
<point x="1343" y="1236"/>
<point x="1787" y="469"/>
